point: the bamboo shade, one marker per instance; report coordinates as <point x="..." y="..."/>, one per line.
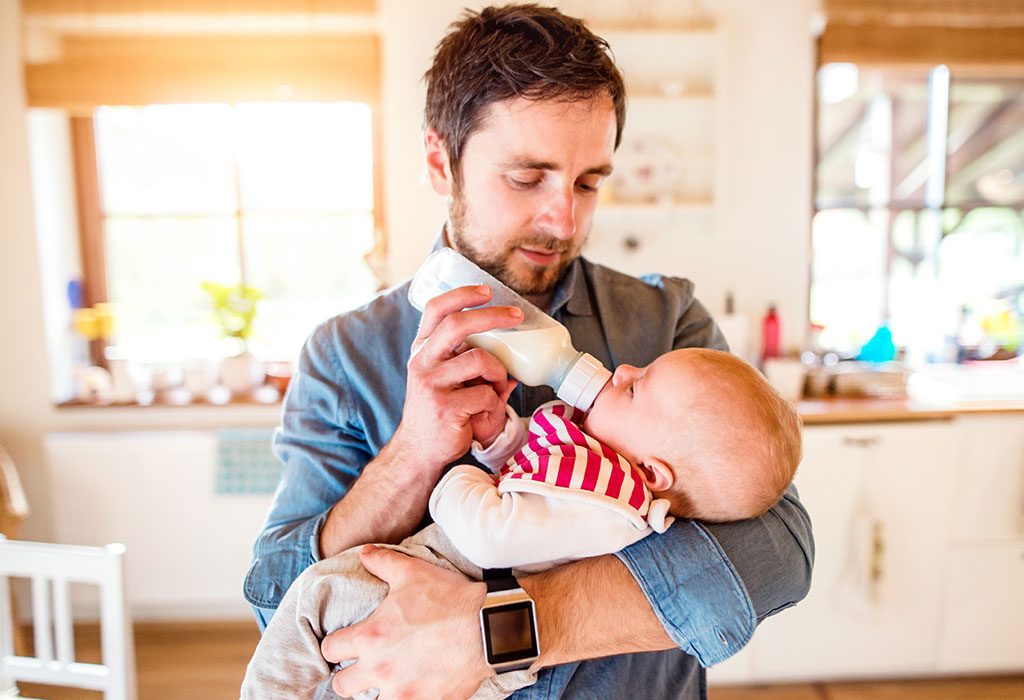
<point x="137" y="52"/>
<point x="33" y="8"/>
<point x="137" y="70"/>
<point x="958" y="33"/>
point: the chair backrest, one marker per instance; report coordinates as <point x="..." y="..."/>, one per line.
<point x="51" y="568"/>
<point x="13" y="506"/>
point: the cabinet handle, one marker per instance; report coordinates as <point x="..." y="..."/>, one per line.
<point x="870" y="441"/>
<point x="877" y="552"/>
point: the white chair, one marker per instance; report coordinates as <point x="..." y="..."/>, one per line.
<point x="51" y="567"/>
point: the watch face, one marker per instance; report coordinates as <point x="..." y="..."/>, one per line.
<point x="510" y="632"/>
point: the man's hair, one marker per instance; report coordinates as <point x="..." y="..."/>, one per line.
<point x="501" y="53"/>
<point x="739" y="445"/>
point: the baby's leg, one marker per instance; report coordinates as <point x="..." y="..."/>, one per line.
<point x="335" y="593"/>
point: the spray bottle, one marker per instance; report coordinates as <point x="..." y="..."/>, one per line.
<point x="537" y="351"/>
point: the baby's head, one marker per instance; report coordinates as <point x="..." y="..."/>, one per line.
<point x="705" y="429"/>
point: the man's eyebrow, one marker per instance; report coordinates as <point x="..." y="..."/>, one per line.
<point x="532" y="164"/>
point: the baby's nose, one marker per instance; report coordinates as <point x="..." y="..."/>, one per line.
<point x="622" y="373"/>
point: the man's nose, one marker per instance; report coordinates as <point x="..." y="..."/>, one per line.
<point x="560" y="214"/>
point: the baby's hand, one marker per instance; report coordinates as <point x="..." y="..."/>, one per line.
<point x="487" y="426"/>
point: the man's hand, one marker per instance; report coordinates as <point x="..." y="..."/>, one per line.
<point x="424" y="639"/>
<point x="454" y="393"/>
<point x="453" y="396"/>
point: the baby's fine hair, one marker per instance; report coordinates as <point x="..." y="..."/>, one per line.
<point x="740" y="444"/>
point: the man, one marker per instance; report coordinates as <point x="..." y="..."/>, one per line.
<point x="524" y="111"/>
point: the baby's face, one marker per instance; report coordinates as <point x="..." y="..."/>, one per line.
<point x="629" y="413"/>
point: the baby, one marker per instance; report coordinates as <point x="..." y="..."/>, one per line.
<point x="696" y="434"/>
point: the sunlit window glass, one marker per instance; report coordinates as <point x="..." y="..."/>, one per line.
<point x="276" y="196"/>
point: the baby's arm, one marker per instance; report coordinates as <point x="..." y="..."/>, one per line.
<point x="521" y="530"/>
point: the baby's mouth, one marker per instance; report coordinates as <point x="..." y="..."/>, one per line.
<point x="593" y="405"/>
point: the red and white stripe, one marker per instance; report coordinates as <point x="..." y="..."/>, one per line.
<point x="561" y="456"/>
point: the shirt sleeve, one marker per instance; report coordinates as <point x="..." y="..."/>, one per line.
<point x="710" y="585"/>
<point x="322" y="449"/>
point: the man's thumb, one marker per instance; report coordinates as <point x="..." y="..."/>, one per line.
<point x="386" y="564"/>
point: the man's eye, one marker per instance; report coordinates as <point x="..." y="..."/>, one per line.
<point x="587" y="187"/>
<point x="522" y="184"/>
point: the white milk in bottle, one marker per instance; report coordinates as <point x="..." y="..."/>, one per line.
<point x="537" y="351"/>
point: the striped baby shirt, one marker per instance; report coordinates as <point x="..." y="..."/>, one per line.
<point x="561" y="461"/>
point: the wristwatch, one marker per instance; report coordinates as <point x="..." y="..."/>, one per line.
<point x="508" y="622"/>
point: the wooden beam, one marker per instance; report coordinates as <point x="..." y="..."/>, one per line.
<point x="937" y="13"/>
<point x="141" y="70"/>
<point x="879" y="44"/>
<point x="1002" y="122"/>
<point x="43" y="8"/>
<point x="91" y="239"/>
<point x="849" y="131"/>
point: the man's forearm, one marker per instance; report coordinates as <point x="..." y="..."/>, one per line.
<point x="592" y="608"/>
<point x="384" y="505"/>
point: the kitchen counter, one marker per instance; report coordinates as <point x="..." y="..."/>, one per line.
<point x="833" y="411"/>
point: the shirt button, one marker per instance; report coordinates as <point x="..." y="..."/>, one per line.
<point x="721" y="636"/>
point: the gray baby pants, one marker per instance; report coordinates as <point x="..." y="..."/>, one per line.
<point x="334" y="593"/>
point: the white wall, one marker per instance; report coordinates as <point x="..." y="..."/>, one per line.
<point x="760" y="249"/>
<point x="25" y="412"/>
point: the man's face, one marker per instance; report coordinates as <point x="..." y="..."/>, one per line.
<point x="529" y="179"/>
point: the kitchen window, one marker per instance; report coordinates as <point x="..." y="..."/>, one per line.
<point x="176" y="147"/>
<point x="919" y="210"/>
<point x="278" y="197"/>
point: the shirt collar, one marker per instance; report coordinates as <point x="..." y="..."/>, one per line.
<point x="571" y="291"/>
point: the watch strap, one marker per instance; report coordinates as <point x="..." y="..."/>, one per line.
<point x="500" y="580"/>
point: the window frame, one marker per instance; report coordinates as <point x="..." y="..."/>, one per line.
<point x="92" y="217"/>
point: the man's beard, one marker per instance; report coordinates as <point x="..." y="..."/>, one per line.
<point x="521" y="279"/>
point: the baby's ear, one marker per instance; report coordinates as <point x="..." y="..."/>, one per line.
<point x="657" y="475"/>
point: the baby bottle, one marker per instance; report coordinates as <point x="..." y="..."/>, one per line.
<point x="537" y="351"/>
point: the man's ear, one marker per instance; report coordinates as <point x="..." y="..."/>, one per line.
<point x="657" y="475"/>
<point x="438" y="167"/>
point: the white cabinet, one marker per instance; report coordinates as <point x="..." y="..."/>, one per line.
<point x="990" y="488"/>
<point x="919" y="567"/>
<point x="878" y="497"/>
<point x="984" y="609"/>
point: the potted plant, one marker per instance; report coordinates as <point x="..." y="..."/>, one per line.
<point x="235" y="309"/>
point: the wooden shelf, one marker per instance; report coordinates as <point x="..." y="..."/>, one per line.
<point x="700" y="27"/>
<point x="692" y="203"/>
<point x="703" y="93"/>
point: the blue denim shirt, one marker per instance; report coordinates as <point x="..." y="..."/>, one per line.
<point x="709" y="585"/>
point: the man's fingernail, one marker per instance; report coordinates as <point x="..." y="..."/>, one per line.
<point x="483" y="289"/>
<point x="515" y="312"/>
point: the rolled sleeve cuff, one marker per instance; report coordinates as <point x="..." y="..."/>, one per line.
<point x="694" y="590"/>
<point x="314" y="537"/>
<point x="278" y="563"/>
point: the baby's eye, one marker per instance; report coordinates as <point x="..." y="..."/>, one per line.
<point x="629" y="389"/>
